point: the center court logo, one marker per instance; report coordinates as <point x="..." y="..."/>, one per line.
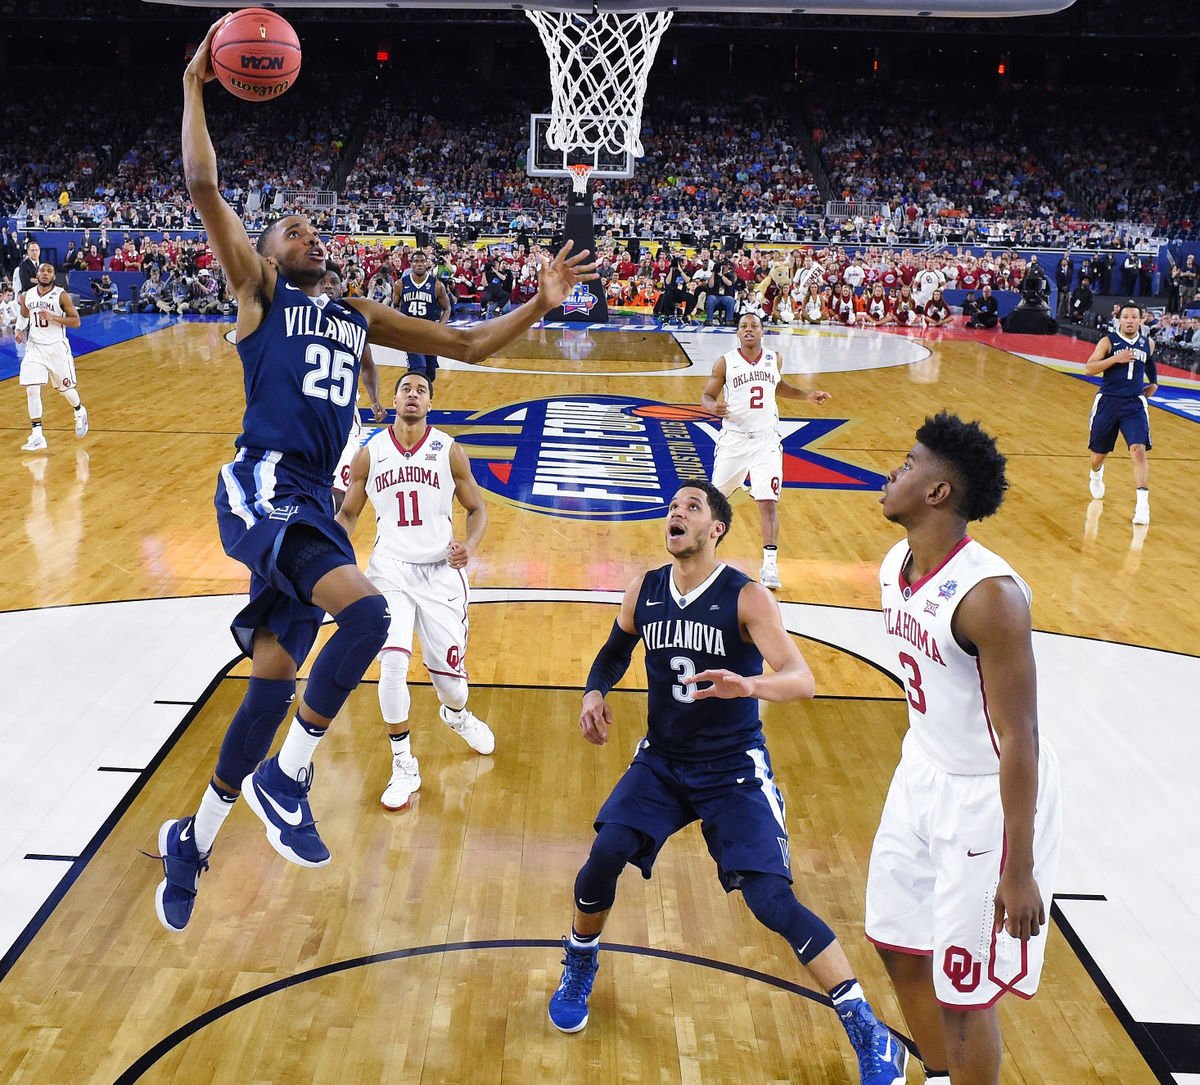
<point x="619" y="457"/>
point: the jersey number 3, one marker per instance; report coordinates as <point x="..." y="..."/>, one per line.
<point x="916" y="695"/>
<point x="333" y="376"/>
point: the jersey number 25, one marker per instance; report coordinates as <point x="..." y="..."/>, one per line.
<point x="333" y="375"/>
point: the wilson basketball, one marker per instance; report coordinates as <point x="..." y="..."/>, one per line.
<point x="256" y="54"/>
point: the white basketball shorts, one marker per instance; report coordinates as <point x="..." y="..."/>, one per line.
<point x="430" y="599"/>
<point x="935" y="867"/>
<point x="51" y="362"/>
<point x="759" y="456"/>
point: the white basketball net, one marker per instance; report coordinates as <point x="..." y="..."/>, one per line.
<point x="599" y="65"/>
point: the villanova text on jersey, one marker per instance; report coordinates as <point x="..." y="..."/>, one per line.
<point x="681" y="641"/>
<point x="419" y="300"/>
<point x="1129" y="380"/>
<point x="301" y="369"/>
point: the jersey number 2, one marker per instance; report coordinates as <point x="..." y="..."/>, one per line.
<point x="756" y="397"/>
<point x="916" y="695"/>
<point x="333" y="377"/>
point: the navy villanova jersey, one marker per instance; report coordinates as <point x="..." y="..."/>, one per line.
<point x="301" y="371"/>
<point x="1128" y="381"/>
<point x="704" y="634"/>
<point x="420" y="301"/>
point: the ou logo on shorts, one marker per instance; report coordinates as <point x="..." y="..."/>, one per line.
<point x="961" y="969"/>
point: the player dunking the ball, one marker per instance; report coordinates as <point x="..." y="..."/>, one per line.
<point x="967" y="847"/>
<point x="413" y="473"/>
<point x="301" y="352"/>
<point x="707" y="630"/>
<point x="749" y="439"/>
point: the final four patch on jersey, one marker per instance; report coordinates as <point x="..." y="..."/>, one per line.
<point x="947" y="589"/>
<point x="620" y="457"/>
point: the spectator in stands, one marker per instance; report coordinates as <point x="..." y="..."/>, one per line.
<point x="10" y="310"/>
<point x="1081" y="301"/>
<point x="720" y="302"/>
<point x="937" y="312"/>
<point x="1063" y="275"/>
<point x="206" y="292"/>
<point x="151" y="290"/>
<point x="498" y="288"/>
<point x="104" y="292"/>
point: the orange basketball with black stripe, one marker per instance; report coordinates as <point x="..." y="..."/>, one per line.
<point x="256" y="54"/>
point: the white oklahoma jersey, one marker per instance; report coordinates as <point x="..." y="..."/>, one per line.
<point x="48" y="354"/>
<point x="748" y="443"/>
<point x="750" y="394"/>
<point x="947" y="704"/>
<point x="412" y="490"/>
<point x="941" y="846"/>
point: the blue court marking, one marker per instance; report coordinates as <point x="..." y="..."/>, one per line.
<point x="101" y="330"/>
<point x="1184" y="402"/>
<point x="139" y="1067"/>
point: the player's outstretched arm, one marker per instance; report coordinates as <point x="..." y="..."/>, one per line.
<point x="608" y="668"/>
<point x="789" y="391"/>
<point x="356" y="493"/>
<point x="790" y="680"/>
<point x="557" y="280"/>
<point x="245" y="270"/>
<point x="994" y="618"/>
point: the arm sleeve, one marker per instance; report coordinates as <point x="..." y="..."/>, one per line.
<point x="612" y="661"/>
<point x="1151" y="371"/>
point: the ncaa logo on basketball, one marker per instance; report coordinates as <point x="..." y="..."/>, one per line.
<point x="580" y="300"/>
<point x="618" y="457"/>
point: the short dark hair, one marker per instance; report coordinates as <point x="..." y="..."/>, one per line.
<point x="972" y="456"/>
<point x="1129" y="304"/>
<point x="414" y="373"/>
<point x="718" y="503"/>
<point x="260" y="246"/>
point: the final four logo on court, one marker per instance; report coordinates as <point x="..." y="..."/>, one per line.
<point x="619" y="457"/>
<point x="580" y="300"/>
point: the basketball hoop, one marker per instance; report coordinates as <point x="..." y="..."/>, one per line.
<point x="599" y="65"/>
<point x="580" y="171"/>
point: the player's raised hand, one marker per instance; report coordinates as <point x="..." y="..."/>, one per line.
<point x="557" y="277"/>
<point x="725" y="684"/>
<point x="200" y="66"/>
<point x="594" y="718"/>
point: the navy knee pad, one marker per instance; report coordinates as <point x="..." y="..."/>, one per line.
<point x="340" y="665"/>
<point x="305" y="555"/>
<point x="770" y="898"/>
<point x="252" y="730"/>
<point x="596" y="883"/>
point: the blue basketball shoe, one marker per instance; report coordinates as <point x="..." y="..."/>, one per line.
<point x="882" y="1058"/>
<point x="569" y="1004"/>
<point x="182" y="864"/>
<point x="281" y="803"/>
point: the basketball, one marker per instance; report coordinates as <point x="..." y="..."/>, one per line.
<point x="256" y="55"/>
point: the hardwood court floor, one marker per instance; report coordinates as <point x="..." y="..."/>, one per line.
<point x="427" y="950"/>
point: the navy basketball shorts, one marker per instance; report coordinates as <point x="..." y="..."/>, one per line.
<point x="1118" y="414"/>
<point x="258" y="499"/>
<point x="423" y="363"/>
<point x="734" y="797"/>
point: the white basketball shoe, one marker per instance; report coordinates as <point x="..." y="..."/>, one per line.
<point x="405" y="782"/>
<point x="471" y="728"/>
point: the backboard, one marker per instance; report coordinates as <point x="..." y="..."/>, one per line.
<point x="544" y="161"/>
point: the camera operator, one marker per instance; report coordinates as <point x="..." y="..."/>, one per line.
<point x="104" y="291"/>
<point x="721" y="291"/>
